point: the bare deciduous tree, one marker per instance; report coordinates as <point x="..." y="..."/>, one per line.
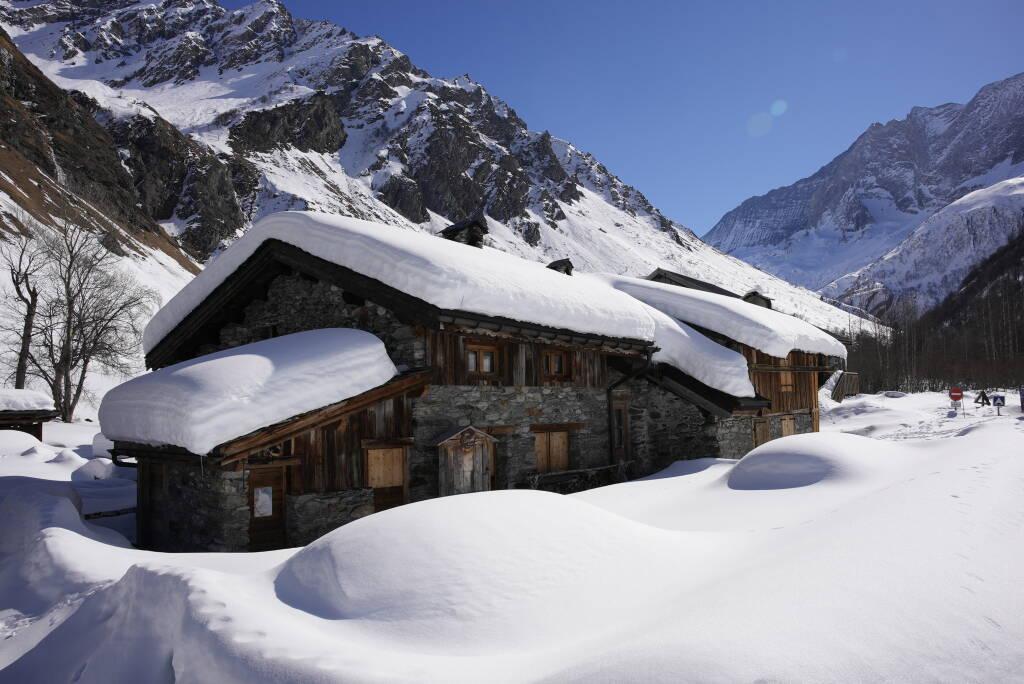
<point x="89" y="315"/>
<point x="24" y="260"/>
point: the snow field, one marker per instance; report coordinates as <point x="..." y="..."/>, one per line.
<point x="823" y="557"/>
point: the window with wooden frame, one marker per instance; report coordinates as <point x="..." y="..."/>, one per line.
<point x="555" y="364"/>
<point x="481" y="359"/>
<point x="552" y="450"/>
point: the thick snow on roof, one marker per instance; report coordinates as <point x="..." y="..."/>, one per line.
<point x="771" y="332"/>
<point x="204" y="402"/>
<point x="716" y="366"/>
<point x="24" y="400"/>
<point x="447" y="274"/>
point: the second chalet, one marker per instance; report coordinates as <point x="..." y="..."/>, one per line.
<point x="323" y="368"/>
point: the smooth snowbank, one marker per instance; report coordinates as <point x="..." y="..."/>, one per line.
<point x="827" y="557"/>
<point x="24" y="400"/>
<point x="447" y="274"/>
<point x="204" y="402"/>
<point x="766" y="330"/>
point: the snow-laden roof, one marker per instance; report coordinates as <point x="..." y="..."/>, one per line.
<point x="768" y="331"/>
<point x="24" y="400"/>
<point x="204" y="402"/>
<point x="447" y="274"/>
<point x="701" y="358"/>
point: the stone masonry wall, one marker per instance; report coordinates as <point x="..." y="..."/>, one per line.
<point x="736" y="435"/>
<point x="446" y="407"/>
<point x="294" y="304"/>
<point x="198" y="509"/>
<point x="310" y="516"/>
<point x="665" y="428"/>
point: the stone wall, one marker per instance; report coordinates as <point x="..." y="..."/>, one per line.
<point x="665" y="428"/>
<point x="294" y="304"/>
<point x="310" y="516"/>
<point x="736" y="435"/>
<point x="196" y="509"/>
<point x="514" y="409"/>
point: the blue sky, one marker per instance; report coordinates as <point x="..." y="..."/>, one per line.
<point x="701" y="105"/>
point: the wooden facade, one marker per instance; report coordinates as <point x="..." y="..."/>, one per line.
<point x="516" y="362"/>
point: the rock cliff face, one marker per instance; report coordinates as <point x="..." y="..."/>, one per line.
<point x="223" y="116"/>
<point x="58" y="164"/>
<point x="836" y="228"/>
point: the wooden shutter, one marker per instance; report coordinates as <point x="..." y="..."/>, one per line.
<point x="788" y="426"/>
<point x="558" y="451"/>
<point x="541" y="448"/>
<point x="552" y="450"/>
<point x="761" y="434"/>
<point x="386" y="467"/>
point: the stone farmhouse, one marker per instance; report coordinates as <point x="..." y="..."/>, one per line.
<point x="323" y="368"/>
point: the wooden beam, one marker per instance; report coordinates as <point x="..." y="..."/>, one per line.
<point x="557" y="427"/>
<point x="272" y="434"/>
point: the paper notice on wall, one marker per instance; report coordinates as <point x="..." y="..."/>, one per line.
<point x="263" y="502"/>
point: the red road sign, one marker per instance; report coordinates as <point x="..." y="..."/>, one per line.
<point x="956" y="394"/>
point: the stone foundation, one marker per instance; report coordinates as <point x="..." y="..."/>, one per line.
<point x="310" y="516"/>
<point x="194" y="509"/>
<point x="665" y="429"/>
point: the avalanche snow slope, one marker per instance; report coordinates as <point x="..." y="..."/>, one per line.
<point x="828" y="557"/>
<point x="933" y="261"/>
<point x="406" y="148"/>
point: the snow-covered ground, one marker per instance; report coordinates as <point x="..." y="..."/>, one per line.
<point x="829" y="557"/>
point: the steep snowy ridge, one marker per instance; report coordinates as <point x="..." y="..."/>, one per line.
<point x="880" y="198"/>
<point x="296" y="114"/>
<point x="933" y="261"/>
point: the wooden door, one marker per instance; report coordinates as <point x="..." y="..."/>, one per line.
<point x="266" y="509"/>
<point x="552" y="450"/>
<point x="466" y="466"/>
<point x="761" y="433"/>
<point x="385" y="469"/>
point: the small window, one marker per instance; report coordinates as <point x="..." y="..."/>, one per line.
<point x="556" y="365"/>
<point x="263" y="502"/>
<point x="481" y="360"/>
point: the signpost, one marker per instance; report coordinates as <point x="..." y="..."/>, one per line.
<point x="956" y="395"/>
<point x="999" y="401"/>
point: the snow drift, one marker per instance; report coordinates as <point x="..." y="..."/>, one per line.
<point x="829" y="557"/>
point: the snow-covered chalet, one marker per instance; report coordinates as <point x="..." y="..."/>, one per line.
<point x="323" y="368"/>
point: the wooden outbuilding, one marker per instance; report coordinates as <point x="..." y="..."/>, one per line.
<point x="465" y="461"/>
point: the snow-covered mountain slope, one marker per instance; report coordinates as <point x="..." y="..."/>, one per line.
<point x="932" y="262"/>
<point x="59" y="166"/>
<point x="283" y="113"/>
<point x="863" y="204"/>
